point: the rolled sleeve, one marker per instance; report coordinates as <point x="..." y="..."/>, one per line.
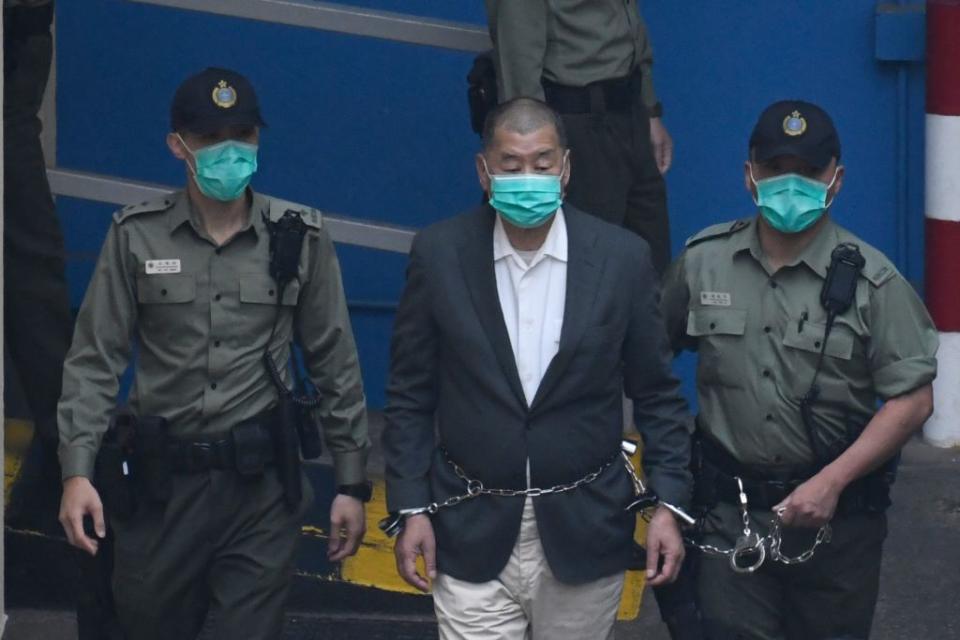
<point x="904" y="341"/>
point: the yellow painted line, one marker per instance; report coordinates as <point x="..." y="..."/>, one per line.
<point x="17" y="435"/>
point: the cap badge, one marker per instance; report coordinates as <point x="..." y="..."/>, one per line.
<point x="224" y="96"/>
<point x="794" y="124"/>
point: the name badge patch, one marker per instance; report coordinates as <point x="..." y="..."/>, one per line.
<point x="163" y="266"/>
<point x="714" y="299"/>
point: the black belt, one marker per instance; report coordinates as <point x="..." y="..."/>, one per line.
<point x="247" y="448"/>
<point x="767" y="487"/>
<point x="619" y="95"/>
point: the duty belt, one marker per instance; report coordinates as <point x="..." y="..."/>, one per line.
<point x="725" y="477"/>
<point x="246" y="448"/>
<point x="618" y="95"/>
<point x="393" y="524"/>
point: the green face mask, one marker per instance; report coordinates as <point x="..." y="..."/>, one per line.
<point x="224" y="169"/>
<point x="791" y="203"/>
<point x="525" y="200"/>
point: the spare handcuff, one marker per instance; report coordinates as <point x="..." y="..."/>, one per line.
<point x="752" y="545"/>
<point x="392" y="525"/>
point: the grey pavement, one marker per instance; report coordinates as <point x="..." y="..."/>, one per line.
<point x="918" y="593"/>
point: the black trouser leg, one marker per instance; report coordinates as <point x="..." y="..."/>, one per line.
<point x="614" y="176"/>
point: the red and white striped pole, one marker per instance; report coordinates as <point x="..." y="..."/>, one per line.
<point x="943" y="213"/>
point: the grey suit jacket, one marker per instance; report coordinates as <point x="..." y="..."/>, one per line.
<point x="454" y="384"/>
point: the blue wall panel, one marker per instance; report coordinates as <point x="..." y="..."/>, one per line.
<point x="379" y="130"/>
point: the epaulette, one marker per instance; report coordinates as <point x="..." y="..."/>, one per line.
<point x="311" y="217"/>
<point x="877" y="269"/>
<point x="722" y="230"/>
<point x="161" y="203"/>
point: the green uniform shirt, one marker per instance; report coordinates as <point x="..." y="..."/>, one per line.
<point x="569" y="42"/>
<point x="201" y="316"/>
<point x="759" y="335"/>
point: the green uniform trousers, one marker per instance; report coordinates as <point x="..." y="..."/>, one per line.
<point x="830" y="597"/>
<point x="217" y="557"/>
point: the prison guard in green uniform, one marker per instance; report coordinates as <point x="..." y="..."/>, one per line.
<point x="759" y="333"/>
<point x="219" y="552"/>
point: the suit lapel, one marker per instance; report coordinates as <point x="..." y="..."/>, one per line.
<point x="584" y="268"/>
<point x="476" y="261"/>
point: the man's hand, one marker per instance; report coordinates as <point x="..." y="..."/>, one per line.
<point x="81" y="499"/>
<point x="663" y="541"/>
<point x="812" y="504"/>
<point x="662" y="145"/>
<point x="415" y="540"/>
<point x="347" y="526"/>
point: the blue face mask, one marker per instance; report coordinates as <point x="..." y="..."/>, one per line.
<point x="791" y="203"/>
<point x="526" y="200"/>
<point x="224" y="169"/>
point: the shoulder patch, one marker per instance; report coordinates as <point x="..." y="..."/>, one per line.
<point x="311" y="217"/>
<point x="161" y="203"/>
<point x="722" y="230"/>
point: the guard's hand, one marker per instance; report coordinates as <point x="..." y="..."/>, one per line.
<point x="662" y="145"/>
<point x="812" y="504"/>
<point x="81" y="499"/>
<point x="663" y="541"/>
<point x="415" y="540"/>
<point x="348" y="524"/>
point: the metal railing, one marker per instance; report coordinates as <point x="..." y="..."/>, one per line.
<point x="341" y="18"/>
<point x="112" y="190"/>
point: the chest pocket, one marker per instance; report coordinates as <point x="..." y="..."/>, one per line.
<point x="719" y="334"/>
<point x="261" y="289"/>
<point x="166" y="288"/>
<point x="839" y="344"/>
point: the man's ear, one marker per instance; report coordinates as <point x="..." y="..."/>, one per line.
<point x="483" y="174"/>
<point x="565" y="174"/>
<point x="177" y="147"/>
<point x="837" y="184"/>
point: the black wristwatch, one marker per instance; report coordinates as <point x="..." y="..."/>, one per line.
<point x="362" y="491"/>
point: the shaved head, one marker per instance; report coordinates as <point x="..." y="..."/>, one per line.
<point x="523" y="116"/>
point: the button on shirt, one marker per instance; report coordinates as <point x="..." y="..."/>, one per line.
<point x="532" y="297"/>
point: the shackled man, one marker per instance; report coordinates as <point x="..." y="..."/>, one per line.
<point x="521" y="325"/>
<point x="801" y="329"/>
<point x="202" y="484"/>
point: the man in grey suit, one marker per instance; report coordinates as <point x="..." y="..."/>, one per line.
<point x="521" y="326"/>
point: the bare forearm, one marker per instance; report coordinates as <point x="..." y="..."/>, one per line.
<point x="885" y="434"/>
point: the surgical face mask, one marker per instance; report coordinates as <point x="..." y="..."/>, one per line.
<point x="791" y="203"/>
<point x="224" y="169"/>
<point x="525" y="200"/>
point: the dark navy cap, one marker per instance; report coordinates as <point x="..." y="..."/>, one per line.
<point x="213" y="99"/>
<point x="795" y="128"/>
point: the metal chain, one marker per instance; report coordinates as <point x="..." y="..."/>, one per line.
<point x="751" y="543"/>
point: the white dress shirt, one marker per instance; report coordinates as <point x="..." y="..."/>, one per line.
<point x="532" y="295"/>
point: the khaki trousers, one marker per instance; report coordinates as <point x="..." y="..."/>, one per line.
<point x="526" y="602"/>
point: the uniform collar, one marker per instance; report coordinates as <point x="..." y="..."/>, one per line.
<point x="554" y="245"/>
<point x="184" y="212"/>
<point x="815" y="255"/>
